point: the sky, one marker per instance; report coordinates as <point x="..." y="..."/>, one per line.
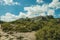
<point x="11" y="10"/>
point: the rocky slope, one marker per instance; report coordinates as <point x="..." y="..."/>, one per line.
<point x="16" y="35"/>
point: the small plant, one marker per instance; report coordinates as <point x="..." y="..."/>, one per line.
<point x="20" y="38"/>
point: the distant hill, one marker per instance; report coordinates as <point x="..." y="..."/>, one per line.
<point x="46" y="27"/>
<point x="29" y="24"/>
<point x="35" y="18"/>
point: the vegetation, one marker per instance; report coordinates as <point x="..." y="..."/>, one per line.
<point x="49" y="32"/>
<point x="47" y="28"/>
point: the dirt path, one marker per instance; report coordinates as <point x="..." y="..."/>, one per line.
<point x="17" y="36"/>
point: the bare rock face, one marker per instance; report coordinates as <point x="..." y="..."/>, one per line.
<point x="16" y="35"/>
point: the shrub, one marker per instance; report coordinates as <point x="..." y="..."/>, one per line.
<point x="48" y="33"/>
<point x="6" y="27"/>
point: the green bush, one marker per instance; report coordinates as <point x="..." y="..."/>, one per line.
<point x="6" y="27"/>
<point x="49" y="33"/>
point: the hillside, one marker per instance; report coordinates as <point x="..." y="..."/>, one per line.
<point x="37" y="25"/>
<point x="28" y="24"/>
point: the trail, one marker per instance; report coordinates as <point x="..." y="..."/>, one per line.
<point x="17" y="36"/>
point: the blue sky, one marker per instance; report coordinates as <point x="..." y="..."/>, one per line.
<point x="15" y="9"/>
<point x="28" y="8"/>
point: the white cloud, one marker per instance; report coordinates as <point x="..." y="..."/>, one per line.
<point x="39" y="1"/>
<point x="8" y="17"/>
<point x="50" y="12"/>
<point x="9" y="2"/>
<point x="55" y="0"/>
<point x="36" y="10"/>
<point x="22" y="15"/>
<point x="39" y="10"/>
<point x="55" y="4"/>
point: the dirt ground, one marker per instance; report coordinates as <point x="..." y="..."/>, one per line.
<point x="17" y="35"/>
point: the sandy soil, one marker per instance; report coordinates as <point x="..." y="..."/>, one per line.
<point x="17" y="35"/>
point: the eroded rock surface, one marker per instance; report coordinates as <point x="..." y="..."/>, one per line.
<point x="17" y="35"/>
